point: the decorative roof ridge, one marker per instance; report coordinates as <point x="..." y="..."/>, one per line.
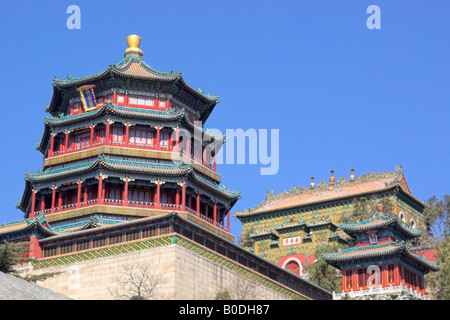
<point x="123" y="65"/>
<point x="397" y="244"/>
<point x="323" y="186"/>
<point x="223" y="189"/>
<point x="385" y="220"/>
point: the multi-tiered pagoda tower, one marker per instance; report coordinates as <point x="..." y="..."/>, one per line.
<point x="129" y="178"/>
<point x="109" y="147"/>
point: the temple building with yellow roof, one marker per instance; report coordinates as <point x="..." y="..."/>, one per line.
<point x="287" y="227"/>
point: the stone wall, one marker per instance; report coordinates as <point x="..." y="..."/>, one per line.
<point x="185" y="274"/>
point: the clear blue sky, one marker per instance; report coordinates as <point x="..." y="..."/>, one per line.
<point x="341" y="95"/>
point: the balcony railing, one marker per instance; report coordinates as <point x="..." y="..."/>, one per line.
<point x="394" y="290"/>
<point x="131" y="204"/>
<point x="136" y="145"/>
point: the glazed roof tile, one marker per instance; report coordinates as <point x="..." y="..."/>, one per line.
<point x="377" y="222"/>
<point x="385" y="249"/>
<point x="324" y="192"/>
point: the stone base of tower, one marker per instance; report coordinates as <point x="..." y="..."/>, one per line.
<point x="187" y="271"/>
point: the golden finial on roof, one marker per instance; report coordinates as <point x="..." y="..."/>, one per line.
<point x="352" y="175"/>
<point x="332" y="178"/>
<point x="312" y="182"/>
<point x="133" y="42"/>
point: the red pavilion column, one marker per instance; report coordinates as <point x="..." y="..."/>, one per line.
<point x="127" y="135"/>
<point x="215" y="165"/>
<point x="188" y="148"/>
<point x="204" y="156"/>
<point x="53" y="199"/>
<point x="157" y="195"/>
<point x="100" y="189"/>
<point x="215" y="214"/>
<point x="59" y="199"/>
<point x="91" y="137"/>
<point x="79" y="193"/>
<point x="125" y="193"/>
<point x="177" y="139"/>
<point x="107" y="132"/>
<point x="52" y="145"/>
<point x="228" y="221"/>
<point x="114" y="97"/>
<point x="35" y="248"/>
<point x="177" y="197"/>
<point x="33" y="202"/>
<point x="42" y="202"/>
<point x="198" y="204"/>
<point x="66" y="142"/>
<point x="183" y="197"/>
<point x="85" y="195"/>
<point x="158" y="138"/>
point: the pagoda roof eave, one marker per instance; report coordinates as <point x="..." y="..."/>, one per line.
<point x="336" y="259"/>
<point x="36" y="223"/>
<point x="379" y="221"/>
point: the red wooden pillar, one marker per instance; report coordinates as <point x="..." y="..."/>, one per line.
<point x="59" y="200"/>
<point x="33" y="202"/>
<point x="157" y="195"/>
<point x="127" y="135"/>
<point x="91" y="137"/>
<point x="177" y="197"/>
<point x="204" y="156"/>
<point x="188" y="148"/>
<point x="183" y="197"/>
<point x="344" y="280"/>
<point x="228" y="221"/>
<point x="52" y="145"/>
<point x="354" y="278"/>
<point x="215" y="214"/>
<point x="114" y="97"/>
<point x="107" y="137"/>
<point x="100" y="189"/>
<point x="198" y="204"/>
<point x="176" y="142"/>
<point x="215" y="165"/>
<point x="35" y="248"/>
<point x="85" y="195"/>
<point x="53" y="199"/>
<point x="42" y="202"/>
<point x="125" y="192"/>
<point x="158" y="138"/>
<point x="79" y="194"/>
<point x="66" y="142"/>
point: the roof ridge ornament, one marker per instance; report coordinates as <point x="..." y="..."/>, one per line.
<point x="133" y="51"/>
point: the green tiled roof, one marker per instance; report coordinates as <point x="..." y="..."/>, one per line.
<point x="377" y="222"/>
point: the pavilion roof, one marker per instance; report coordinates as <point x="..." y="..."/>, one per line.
<point x="378" y="222"/>
<point x="39" y="222"/>
<point x="325" y="192"/>
<point x="133" y="68"/>
<point x="373" y="251"/>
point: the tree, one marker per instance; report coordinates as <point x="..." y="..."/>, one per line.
<point x="439" y="282"/>
<point x="322" y="273"/>
<point x="364" y="208"/>
<point x="245" y="241"/>
<point x="12" y="254"/>
<point x="136" y="282"/>
<point x="244" y="289"/>
<point x="436" y="231"/>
